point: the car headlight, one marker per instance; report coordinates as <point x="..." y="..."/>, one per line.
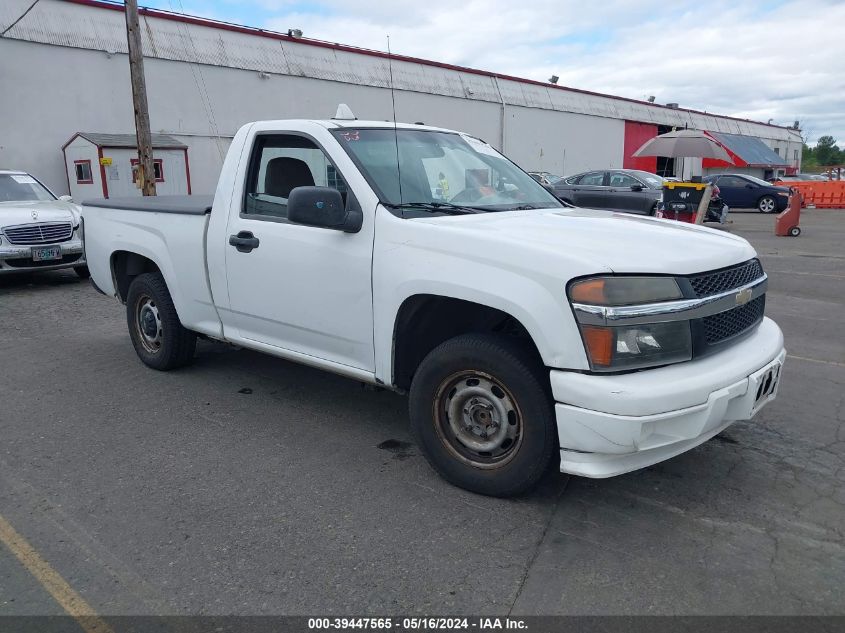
<point x="623" y="291"/>
<point x="618" y="347"/>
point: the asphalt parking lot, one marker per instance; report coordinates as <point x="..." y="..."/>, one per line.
<point x="249" y="485"/>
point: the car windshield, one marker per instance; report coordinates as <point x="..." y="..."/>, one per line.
<point x="21" y="188"/>
<point x="653" y="180"/>
<point x="441" y="169"/>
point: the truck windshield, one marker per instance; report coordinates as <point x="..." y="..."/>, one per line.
<point x="22" y="187"/>
<point x="440" y="169"/>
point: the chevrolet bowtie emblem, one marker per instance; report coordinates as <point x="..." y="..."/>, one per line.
<point x="743" y="296"/>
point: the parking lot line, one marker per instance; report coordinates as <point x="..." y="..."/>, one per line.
<point x="50" y="579"/>
<point x="816" y="360"/>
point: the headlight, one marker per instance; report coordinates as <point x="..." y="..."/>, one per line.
<point x="637" y="346"/>
<point x="612" y="347"/>
<point x="623" y="291"/>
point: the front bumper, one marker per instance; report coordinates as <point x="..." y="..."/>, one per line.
<point x="18" y="259"/>
<point x="613" y="424"/>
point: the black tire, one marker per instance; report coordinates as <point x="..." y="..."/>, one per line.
<point x="795" y="231"/>
<point x="767" y="204"/>
<point x="158" y="336"/>
<point x="82" y="272"/>
<point x="499" y="365"/>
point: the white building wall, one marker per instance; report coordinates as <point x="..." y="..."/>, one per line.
<point x="68" y="65"/>
<point x="562" y="142"/>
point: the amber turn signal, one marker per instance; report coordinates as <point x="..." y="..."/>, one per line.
<point x="598" y="342"/>
<point x="590" y="291"/>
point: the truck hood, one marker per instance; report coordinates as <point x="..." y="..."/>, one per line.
<point x="617" y="242"/>
<point x="31" y="212"/>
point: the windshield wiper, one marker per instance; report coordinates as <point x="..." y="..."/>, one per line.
<point x="436" y="207"/>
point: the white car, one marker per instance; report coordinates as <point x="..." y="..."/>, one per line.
<point x="525" y="332"/>
<point x="38" y="231"/>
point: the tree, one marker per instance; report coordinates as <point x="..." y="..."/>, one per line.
<point x="827" y="152"/>
<point x="809" y="162"/>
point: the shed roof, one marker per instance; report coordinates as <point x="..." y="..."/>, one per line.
<point x="104" y="139"/>
<point x="751" y="151"/>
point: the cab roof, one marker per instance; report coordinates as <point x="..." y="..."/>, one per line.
<point x="354" y="123"/>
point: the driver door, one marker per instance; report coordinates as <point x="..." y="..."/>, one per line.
<point x="301" y="288"/>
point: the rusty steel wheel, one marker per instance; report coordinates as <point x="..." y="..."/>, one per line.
<point x="478" y="419"/>
<point x="482" y="412"/>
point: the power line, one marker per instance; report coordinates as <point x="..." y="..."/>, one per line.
<point x="22" y="16"/>
<point x="185" y="34"/>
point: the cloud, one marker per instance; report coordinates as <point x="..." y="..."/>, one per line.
<point x="779" y="60"/>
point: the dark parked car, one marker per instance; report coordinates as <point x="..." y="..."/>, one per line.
<point x="628" y="190"/>
<point x="740" y="191"/>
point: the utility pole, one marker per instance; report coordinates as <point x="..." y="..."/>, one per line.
<point x="146" y="173"/>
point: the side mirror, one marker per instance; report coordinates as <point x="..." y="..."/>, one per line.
<point x="636" y="187"/>
<point x="65" y="198"/>
<point x="323" y="207"/>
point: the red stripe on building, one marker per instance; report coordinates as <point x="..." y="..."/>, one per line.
<point x="635" y="135"/>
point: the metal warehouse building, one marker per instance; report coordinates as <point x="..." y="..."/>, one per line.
<point x="64" y="70"/>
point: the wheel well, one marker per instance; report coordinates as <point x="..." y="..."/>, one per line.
<point x="426" y="321"/>
<point x="126" y="266"/>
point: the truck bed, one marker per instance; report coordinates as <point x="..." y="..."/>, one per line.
<point x="169" y="231"/>
<point x="189" y="205"/>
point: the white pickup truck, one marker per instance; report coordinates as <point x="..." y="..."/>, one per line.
<point x="422" y="260"/>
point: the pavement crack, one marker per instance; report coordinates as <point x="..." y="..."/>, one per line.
<point x="537" y="546"/>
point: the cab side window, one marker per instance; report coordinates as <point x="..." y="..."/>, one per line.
<point x="279" y="164"/>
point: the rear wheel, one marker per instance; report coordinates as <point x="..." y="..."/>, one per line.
<point x="767" y="204"/>
<point x="481" y="410"/>
<point x="795" y="231"/>
<point x="158" y="336"/>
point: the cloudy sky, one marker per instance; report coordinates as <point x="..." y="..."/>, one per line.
<point x="779" y="60"/>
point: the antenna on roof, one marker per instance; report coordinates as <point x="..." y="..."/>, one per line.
<point x="344" y="113"/>
<point x="393" y="105"/>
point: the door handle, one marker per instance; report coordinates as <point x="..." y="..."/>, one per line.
<point x="244" y="241"/>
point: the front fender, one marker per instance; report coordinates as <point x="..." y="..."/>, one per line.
<point x="542" y="308"/>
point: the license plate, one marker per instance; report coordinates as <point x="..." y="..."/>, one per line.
<point x="46" y="253"/>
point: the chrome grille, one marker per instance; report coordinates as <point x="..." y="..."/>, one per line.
<point x="713" y="283"/>
<point x="725" y="325"/>
<point x="41" y="233"/>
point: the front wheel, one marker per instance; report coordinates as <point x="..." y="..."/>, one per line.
<point x="158" y="336"/>
<point x="482" y="413"/>
<point x="767" y="204"/>
<point x="82" y="272"/>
